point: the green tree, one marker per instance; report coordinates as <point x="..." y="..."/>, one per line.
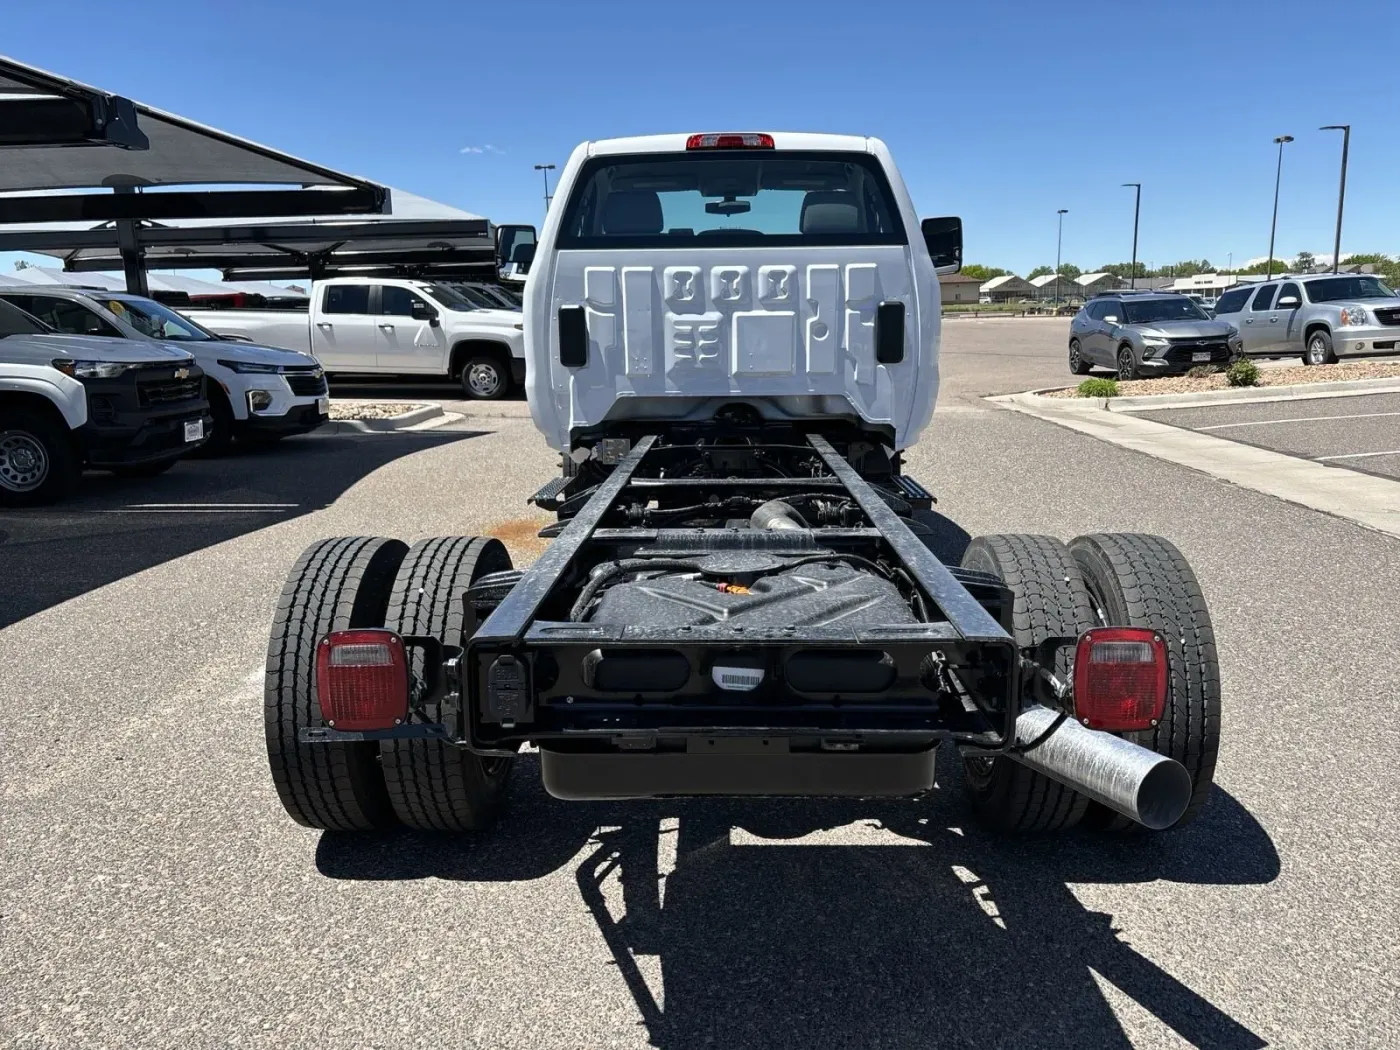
<point x="1040" y="271"/>
<point x="1185" y="268"/>
<point x="1069" y="271"/>
<point x="983" y="273"/>
<point x="1304" y="262"/>
<point x="1384" y="264"/>
<point x="1124" y="270"/>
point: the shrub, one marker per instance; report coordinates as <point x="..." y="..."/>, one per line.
<point x="1243" y="373"/>
<point x="1202" y="372"/>
<point x="1098" y="388"/>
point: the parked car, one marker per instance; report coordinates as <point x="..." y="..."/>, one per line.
<point x="1319" y="317"/>
<point x="69" y="402"/>
<point x="1147" y="334"/>
<point x="392" y="326"/>
<point x="984" y="300"/>
<point x="256" y="393"/>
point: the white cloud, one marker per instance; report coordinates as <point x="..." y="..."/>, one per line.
<point x="470" y="149"/>
<point x="488" y="148"/>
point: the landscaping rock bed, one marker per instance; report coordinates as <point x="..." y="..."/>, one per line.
<point x="1288" y="376"/>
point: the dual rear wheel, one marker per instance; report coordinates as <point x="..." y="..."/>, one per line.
<point x="1105" y="579"/>
<point x="362" y="581"/>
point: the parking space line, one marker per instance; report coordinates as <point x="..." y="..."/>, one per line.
<point x="1299" y="419"/>
<point x="210" y="506"/>
<point x="1359" y="455"/>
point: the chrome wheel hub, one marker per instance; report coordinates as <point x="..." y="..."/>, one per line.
<point x="483" y="379"/>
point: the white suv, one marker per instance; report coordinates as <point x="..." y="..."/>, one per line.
<point x="257" y="394"/>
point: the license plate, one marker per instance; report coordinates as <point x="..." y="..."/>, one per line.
<point x="323" y="405"/>
<point x="194" y="431"/>
<point x="1201" y="356"/>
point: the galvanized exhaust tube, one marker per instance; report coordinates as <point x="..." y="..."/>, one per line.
<point x="1147" y="787"/>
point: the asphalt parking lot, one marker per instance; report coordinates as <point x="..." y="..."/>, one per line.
<point x="1360" y="433"/>
<point x="153" y="893"/>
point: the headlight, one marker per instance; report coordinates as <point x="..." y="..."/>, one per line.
<point x="250" y="368"/>
<point x="91" y="369"/>
<point x="1353" y="316"/>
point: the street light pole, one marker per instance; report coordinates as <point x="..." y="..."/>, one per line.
<point x="1059" y="237"/>
<point x="1278" y="177"/>
<point x="546" y="169"/>
<point x="1345" y="129"/>
<point x="1137" y="208"/>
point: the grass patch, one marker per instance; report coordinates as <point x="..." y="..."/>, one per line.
<point x="1243" y="372"/>
<point x="1098" y="388"/>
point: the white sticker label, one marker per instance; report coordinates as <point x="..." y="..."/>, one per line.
<point x="323" y="405"/>
<point x="737" y="679"/>
<point x="194" y="431"/>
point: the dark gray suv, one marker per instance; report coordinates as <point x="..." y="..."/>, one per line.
<point x="1141" y="334"/>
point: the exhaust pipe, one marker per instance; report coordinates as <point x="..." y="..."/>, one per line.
<point x="775" y="514"/>
<point x="1146" y="787"/>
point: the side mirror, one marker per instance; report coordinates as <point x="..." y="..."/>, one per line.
<point x="944" y="239"/>
<point x="423" y="312"/>
<point x="1288" y="302"/>
<point x="515" y="244"/>
<point x="1110" y="318"/>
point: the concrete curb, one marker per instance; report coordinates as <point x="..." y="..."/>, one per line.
<point x="1364" y="499"/>
<point x="1233" y="396"/>
<point x="403" y="421"/>
<point x="496" y="410"/>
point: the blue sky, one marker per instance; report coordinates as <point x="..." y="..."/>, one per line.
<point x="1000" y="113"/>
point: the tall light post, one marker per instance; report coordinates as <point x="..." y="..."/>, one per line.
<point x="1137" y="208"/>
<point x="546" y="169"/>
<point x="1278" y="176"/>
<point x="1345" y="129"/>
<point x="1059" y="237"/>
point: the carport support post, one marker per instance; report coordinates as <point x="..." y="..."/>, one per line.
<point x="133" y="257"/>
<point x="1345" y="129"/>
<point x="1137" y="209"/>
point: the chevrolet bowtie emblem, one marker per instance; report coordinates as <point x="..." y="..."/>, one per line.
<point x="182" y="373"/>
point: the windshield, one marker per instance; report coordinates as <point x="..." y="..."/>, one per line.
<point x="499" y="300"/>
<point x="450" y="296"/>
<point x="1150" y="311"/>
<point x="159" y="322"/>
<point x="476" y="298"/>
<point x="729" y="199"/>
<point x="14" y="321"/>
<point x="1335" y="289"/>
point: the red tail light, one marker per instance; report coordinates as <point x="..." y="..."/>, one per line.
<point x="1120" y="678"/>
<point x="362" y="679"/>
<point x="730" y="140"/>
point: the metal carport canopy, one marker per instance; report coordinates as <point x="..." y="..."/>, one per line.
<point x="418" y="234"/>
<point x="63" y="142"/>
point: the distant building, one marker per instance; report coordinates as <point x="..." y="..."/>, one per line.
<point x="1008" y="289"/>
<point x="1052" y="287"/>
<point x="959" y="288"/>
<point x="1093" y="283"/>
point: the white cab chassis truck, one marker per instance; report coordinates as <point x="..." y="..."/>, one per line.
<point x="732" y="337"/>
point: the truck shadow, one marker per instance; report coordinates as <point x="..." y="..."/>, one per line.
<point x="928" y="931"/>
<point x="115" y="527"/>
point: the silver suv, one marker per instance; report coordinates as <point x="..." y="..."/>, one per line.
<point x="1320" y="317"/>
<point x="1140" y="334"/>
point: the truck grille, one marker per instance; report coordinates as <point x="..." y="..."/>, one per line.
<point x="305" y="384"/>
<point x="168" y="391"/>
<point x="1391" y="316"/>
<point x="1183" y="351"/>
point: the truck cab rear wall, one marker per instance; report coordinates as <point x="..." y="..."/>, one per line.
<point x="771" y="292"/>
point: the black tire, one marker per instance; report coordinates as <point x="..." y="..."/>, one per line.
<point x="433" y="785"/>
<point x="38" y="463"/>
<point x="1144" y="581"/>
<point x="220" y="438"/>
<point x="335" y="585"/>
<point x="1318" y="349"/>
<point x="485" y="376"/>
<point x="1127" y="363"/>
<point x="1077" y="364"/>
<point x="145" y="470"/>
<point x="1051" y="600"/>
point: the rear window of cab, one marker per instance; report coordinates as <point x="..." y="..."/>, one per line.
<point x="731" y="199"/>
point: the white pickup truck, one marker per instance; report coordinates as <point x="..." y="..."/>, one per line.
<point x="391" y="326"/>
